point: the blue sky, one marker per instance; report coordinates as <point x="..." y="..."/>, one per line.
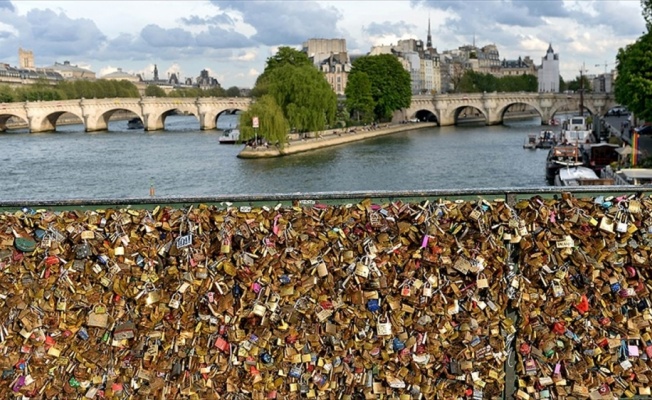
<point x="232" y="39"/>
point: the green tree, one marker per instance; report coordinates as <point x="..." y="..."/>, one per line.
<point x="307" y="100"/>
<point x="7" y="94"/>
<point x="562" y="85"/>
<point x="647" y="13"/>
<point x="359" y="99"/>
<point x="272" y="125"/>
<point x="233" y="91"/>
<point x="580" y="82"/>
<point x="284" y="56"/>
<point x="154" y="91"/>
<point x="633" y="87"/>
<point x="390" y="83"/>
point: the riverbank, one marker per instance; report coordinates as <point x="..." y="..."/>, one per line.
<point x="329" y="138"/>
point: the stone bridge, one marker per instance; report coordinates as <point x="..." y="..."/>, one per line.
<point x="445" y="109"/>
<point x="42" y="116"/>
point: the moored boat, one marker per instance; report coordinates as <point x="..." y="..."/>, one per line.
<point x="562" y="156"/>
<point x="579" y="176"/>
<point x="576" y="131"/>
<point x="230" y="136"/>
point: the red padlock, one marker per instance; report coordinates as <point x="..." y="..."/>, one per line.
<point x="222" y="344"/>
<point x="559" y="328"/>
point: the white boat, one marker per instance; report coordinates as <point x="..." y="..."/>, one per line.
<point x="579" y="176"/>
<point x="576" y="131"/>
<point x="230" y="136"/>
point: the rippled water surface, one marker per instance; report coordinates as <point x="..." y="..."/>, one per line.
<point x="184" y="161"/>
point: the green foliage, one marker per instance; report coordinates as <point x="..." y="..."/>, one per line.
<point x="284" y="56"/>
<point x="633" y="87"/>
<point x="390" y="83"/>
<point x="154" y="91"/>
<point x="6" y="94"/>
<point x="579" y="83"/>
<point x="70" y="90"/>
<point x="233" y="91"/>
<point x="272" y="124"/>
<point x="562" y="85"/>
<point x="474" y="82"/>
<point x="307" y="100"/>
<point x="197" y="92"/>
<point x="647" y="13"/>
<point x="359" y="98"/>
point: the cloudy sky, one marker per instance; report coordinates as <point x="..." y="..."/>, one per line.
<point x="232" y="39"/>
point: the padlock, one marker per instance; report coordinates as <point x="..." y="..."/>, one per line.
<point x="406" y="289"/>
<point x="322" y="270"/>
<point x="383" y="326"/>
<point x="557" y="289"/>
<point x="175" y="300"/>
<point x="427" y="289"/>
<point x="622" y="224"/>
<point x="272" y="302"/>
<point x="361" y="269"/>
<point x="62" y="304"/>
<point x="482" y="281"/>
<point x="225" y="245"/>
<point x="259" y="310"/>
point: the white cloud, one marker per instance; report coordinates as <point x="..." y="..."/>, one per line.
<point x="234" y="38"/>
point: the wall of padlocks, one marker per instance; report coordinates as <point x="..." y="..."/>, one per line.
<point x="354" y="301"/>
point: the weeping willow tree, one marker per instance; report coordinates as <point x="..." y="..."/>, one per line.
<point x="307" y="100"/>
<point x="272" y="125"/>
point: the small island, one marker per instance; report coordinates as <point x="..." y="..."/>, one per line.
<point x="292" y="96"/>
<point x="329" y="138"/>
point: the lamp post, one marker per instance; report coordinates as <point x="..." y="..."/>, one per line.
<point x="255" y="124"/>
<point x="582" y="90"/>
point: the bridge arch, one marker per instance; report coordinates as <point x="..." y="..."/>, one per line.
<point x="48" y="122"/>
<point x="101" y="122"/>
<point x="14" y="117"/>
<point x="424" y="115"/>
<point x="156" y="120"/>
<point x="505" y="107"/>
<point x="559" y="108"/>
<point x="209" y="115"/>
<point x="469" y="112"/>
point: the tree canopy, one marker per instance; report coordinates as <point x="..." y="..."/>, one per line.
<point x="69" y="90"/>
<point x="155" y="91"/>
<point x="233" y="91"/>
<point x="307" y="100"/>
<point x="634" y="81"/>
<point x="359" y="99"/>
<point x="272" y="125"/>
<point x="390" y="83"/>
<point x="474" y="82"/>
<point x="284" y="56"/>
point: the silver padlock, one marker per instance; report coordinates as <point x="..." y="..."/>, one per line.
<point x="175" y="300"/>
<point x="622" y="224"/>
<point x="427" y="289"/>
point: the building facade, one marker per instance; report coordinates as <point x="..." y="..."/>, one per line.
<point x="520" y="66"/>
<point x="331" y="57"/>
<point x="72" y="72"/>
<point x="548" y="72"/>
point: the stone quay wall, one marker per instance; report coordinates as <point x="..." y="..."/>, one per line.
<point x="439" y="298"/>
<point x="329" y="138"/>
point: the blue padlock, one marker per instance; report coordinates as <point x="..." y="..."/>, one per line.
<point x="237" y="291"/>
<point x="615" y="287"/>
<point x="373" y="305"/>
<point x="285" y="279"/>
<point x="266" y="358"/>
<point x="397" y="345"/>
<point x="82" y="333"/>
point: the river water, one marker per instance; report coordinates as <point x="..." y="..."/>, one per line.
<point x="184" y="161"/>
